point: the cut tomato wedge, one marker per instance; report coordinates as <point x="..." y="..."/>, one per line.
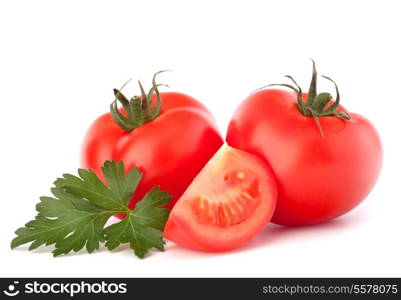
<point x="228" y="203"/>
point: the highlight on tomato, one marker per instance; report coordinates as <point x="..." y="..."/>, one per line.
<point x="229" y="202"/>
<point x="325" y="159"/>
<point x="169" y="136"/>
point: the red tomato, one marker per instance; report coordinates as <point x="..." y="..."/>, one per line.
<point x="169" y="149"/>
<point x="228" y="203"/>
<point x="320" y="175"/>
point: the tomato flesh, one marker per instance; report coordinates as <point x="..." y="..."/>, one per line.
<point x="229" y="202"/>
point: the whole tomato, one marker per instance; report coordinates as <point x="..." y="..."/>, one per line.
<point x="325" y="160"/>
<point x="169" y="136"/>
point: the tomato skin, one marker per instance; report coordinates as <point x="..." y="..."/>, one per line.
<point x="318" y="178"/>
<point x="170" y="150"/>
<point x="192" y="230"/>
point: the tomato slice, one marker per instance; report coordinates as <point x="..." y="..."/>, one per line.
<point x="229" y="202"/>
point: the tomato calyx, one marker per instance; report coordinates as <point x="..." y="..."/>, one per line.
<point x="139" y="109"/>
<point x="316" y="105"/>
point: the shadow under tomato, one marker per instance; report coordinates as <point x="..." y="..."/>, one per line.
<point x="272" y="235"/>
<point x="275" y="234"/>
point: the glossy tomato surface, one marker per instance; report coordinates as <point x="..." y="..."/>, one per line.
<point x="318" y="178"/>
<point x="228" y="203"/>
<point x="170" y="150"/>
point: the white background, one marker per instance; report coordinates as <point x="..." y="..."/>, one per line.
<point x="59" y="61"/>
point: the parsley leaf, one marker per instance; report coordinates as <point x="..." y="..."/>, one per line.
<point x="75" y="217"/>
<point x="143" y="228"/>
